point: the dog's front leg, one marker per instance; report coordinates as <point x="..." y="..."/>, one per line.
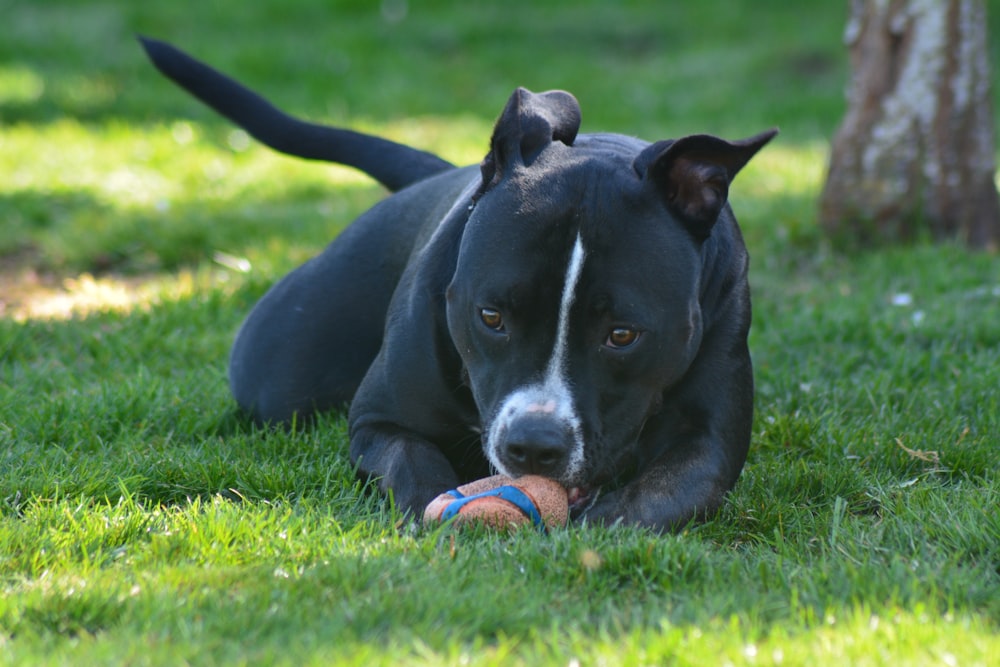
<point x="687" y="482"/>
<point x="407" y="466"/>
<point x="692" y="451"/>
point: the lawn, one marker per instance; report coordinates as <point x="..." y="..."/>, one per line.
<point x="143" y="520"/>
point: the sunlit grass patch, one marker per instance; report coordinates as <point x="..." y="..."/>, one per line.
<point x="20" y="85"/>
<point x="131" y="166"/>
<point x="139" y="199"/>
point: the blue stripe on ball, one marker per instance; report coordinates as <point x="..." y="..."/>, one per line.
<point x="511" y="494"/>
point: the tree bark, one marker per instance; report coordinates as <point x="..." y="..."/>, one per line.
<point x="915" y="156"/>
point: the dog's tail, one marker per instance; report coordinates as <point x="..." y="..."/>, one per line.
<point x="394" y="165"/>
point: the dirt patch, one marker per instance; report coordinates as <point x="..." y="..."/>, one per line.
<point x="28" y="292"/>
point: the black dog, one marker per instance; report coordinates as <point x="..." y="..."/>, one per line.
<point x="576" y="307"/>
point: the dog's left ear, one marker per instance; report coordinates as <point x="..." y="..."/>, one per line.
<point x="693" y="174"/>
<point x="529" y="123"/>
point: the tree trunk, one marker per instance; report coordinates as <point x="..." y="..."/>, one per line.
<point x="915" y="155"/>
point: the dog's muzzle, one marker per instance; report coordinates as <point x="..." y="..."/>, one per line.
<point x="536" y="445"/>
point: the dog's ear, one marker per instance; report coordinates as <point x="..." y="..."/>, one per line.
<point x="529" y="123"/>
<point x="693" y="174"/>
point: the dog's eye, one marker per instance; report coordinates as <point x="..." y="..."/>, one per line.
<point x="621" y="337"/>
<point x="492" y="318"/>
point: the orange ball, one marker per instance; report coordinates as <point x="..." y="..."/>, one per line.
<point x="502" y="502"/>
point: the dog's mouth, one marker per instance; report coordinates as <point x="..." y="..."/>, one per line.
<point x="580" y="499"/>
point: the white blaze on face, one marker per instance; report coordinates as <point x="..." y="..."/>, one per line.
<point x="553" y="395"/>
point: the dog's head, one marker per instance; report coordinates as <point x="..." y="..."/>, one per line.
<point x="576" y="301"/>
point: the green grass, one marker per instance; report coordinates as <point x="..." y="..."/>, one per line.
<point x="144" y="521"/>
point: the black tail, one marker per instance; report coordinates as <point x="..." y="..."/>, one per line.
<point x="394" y="165"/>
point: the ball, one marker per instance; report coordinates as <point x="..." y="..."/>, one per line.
<point x="502" y="502"/>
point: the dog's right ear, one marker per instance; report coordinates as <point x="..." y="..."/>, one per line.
<point x="529" y="123"/>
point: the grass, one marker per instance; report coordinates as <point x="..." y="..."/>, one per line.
<point x="144" y="521"/>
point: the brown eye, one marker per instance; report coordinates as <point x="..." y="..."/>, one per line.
<point x="491" y="318"/>
<point x="621" y="337"/>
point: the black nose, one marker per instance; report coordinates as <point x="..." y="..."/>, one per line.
<point x="537" y="446"/>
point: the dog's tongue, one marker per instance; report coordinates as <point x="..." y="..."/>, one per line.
<point x="578" y="497"/>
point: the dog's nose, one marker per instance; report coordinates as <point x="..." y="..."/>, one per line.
<point x="537" y="446"/>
